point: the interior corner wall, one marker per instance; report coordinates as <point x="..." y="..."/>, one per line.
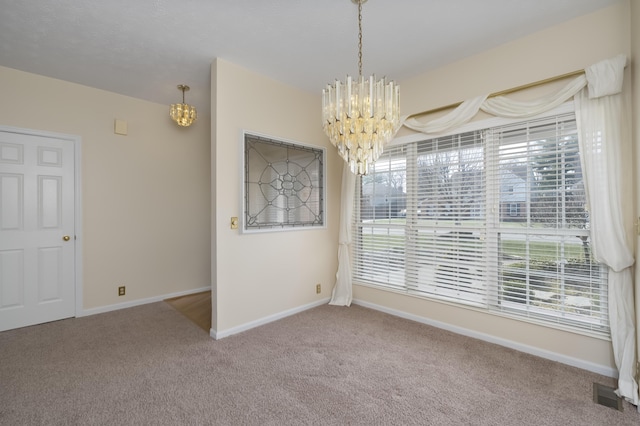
<point x="567" y="47"/>
<point x="262" y="275"/>
<point x="145" y="196"/>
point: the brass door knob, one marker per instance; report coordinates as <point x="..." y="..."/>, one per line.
<point x="66" y="238"/>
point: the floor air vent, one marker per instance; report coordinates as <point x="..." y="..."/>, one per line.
<point x="604" y="395"/>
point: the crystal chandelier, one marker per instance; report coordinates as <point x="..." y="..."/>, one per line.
<point x="183" y="114"/>
<point x="361" y="116"/>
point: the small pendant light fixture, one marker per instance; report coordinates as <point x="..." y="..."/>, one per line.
<point x="183" y="114"/>
<point x="361" y="116"/>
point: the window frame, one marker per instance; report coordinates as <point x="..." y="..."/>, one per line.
<point x="531" y="314"/>
<point x="318" y="191"/>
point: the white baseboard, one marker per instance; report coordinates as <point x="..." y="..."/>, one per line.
<point x="217" y="335"/>
<point x="138" y="302"/>
<point x="553" y="356"/>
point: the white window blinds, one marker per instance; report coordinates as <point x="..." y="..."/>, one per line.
<point x="494" y="218"/>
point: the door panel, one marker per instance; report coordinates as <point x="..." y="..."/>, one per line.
<point x="12" y="266"/>
<point x="37" y="207"/>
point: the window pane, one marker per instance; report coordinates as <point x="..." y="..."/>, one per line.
<point x="450" y="265"/>
<point x="547" y="270"/>
<point x="379" y="234"/>
<point x="553" y="276"/>
<point x="380" y="255"/>
<point x="384" y="189"/>
<point x="451" y="178"/>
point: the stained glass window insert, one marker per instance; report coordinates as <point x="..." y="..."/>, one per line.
<point x="283" y="183"/>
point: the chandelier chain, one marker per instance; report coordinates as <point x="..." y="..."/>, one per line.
<point x="360" y="38"/>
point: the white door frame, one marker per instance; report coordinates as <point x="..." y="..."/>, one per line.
<point x="77" y="160"/>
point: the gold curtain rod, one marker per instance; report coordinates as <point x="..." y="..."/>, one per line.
<point x="507" y="91"/>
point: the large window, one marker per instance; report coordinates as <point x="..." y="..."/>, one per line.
<point x="494" y="218"/>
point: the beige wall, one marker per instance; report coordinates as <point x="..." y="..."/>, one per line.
<point x="564" y="48"/>
<point x="558" y="50"/>
<point x="260" y="275"/>
<point x="145" y="196"/>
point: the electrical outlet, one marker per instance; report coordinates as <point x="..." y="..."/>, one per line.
<point x="318" y="288"/>
<point x="121" y="291"/>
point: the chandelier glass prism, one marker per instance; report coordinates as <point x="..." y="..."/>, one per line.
<point x="361" y="116"/>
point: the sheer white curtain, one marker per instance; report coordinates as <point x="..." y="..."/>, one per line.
<point x="601" y="124"/>
<point x="500" y="106"/>
<point x="342" y="292"/>
<point x="605" y="148"/>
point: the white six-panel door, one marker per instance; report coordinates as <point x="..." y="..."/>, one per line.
<point x="37" y="229"/>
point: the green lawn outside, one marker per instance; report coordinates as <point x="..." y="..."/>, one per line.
<point x="543" y="251"/>
<point x="538" y="250"/>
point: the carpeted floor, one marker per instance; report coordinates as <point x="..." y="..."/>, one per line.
<point x="326" y="366"/>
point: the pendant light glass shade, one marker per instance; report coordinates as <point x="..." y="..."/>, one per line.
<point x="183" y="114"/>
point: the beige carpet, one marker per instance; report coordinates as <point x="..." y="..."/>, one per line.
<point x="150" y="365"/>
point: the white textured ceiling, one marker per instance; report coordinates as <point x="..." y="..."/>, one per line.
<point x="144" y="48"/>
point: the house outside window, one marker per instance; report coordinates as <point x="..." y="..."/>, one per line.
<point x="494" y="219"/>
